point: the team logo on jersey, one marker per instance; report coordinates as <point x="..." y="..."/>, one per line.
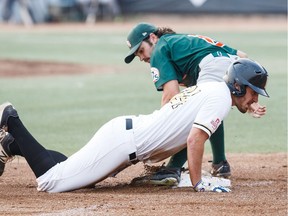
<point x="183" y="96"/>
<point x="215" y="123"/>
<point x="155" y="74"/>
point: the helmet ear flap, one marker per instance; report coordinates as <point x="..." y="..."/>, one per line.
<point x="239" y="90"/>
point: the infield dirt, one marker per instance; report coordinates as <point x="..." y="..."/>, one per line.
<point x="259" y="187"/>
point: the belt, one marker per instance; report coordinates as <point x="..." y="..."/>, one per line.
<point x="129" y="124"/>
<point x="132" y="157"/>
<point x="211" y="56"/>
<point x="220" y="54"/>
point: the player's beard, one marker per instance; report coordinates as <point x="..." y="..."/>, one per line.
<point x="241" y="104"/>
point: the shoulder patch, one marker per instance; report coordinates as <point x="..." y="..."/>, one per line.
<point x="155" y="74"/>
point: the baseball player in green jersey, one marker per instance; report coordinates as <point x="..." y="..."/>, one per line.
<point x="188" y="120"/>
<point x="184" y="60"/>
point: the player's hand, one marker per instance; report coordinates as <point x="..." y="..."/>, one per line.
<point x="256" y="110"/>
<point x="206" y="186"/>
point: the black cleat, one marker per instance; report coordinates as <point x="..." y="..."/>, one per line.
<point x="163" y="177"/>
<point x="6" y="110"/>
<point x="5" y="154"/>
<point x="221" y="170"/>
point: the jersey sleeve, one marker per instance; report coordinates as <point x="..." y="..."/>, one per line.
<point x="162" y="68"/>
<point x="212" y="114"/>
<point x="230" y="50"/>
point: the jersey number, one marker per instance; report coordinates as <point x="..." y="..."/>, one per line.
<point x="209" y="40"/>
<point x="182" y="97"/>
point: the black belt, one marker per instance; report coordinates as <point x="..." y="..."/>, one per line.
<point x="129" y="124"/>
<point x="132" y="157"/>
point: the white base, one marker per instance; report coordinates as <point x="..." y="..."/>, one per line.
<point x="206" y="177"/>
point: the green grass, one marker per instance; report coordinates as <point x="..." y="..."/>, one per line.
<point x="63" y="112"/>
<point x="97" y="48"/>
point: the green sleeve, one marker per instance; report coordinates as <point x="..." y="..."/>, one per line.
<point x="162" y="68"/>
<point x="229" y="50"/>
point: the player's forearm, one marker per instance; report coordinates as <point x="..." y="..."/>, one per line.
<point x="241" y="54"/>
<point x="195" y="164"/>
<point x="164" y="100"/>
<point x="195" y="150"/>
<point x="170" y="89"/>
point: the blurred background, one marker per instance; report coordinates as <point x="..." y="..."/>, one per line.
<point x="30" y="12"/>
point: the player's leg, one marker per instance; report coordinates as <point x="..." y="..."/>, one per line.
<point x="38" y="158"/>
<point x="166" y="176"/>
<point x="106" y="153"/>
<point x="57" y="156"/>
<point x="220" y="166"/>
<point x="10" y="147"/>
<point x="178" y="160"/>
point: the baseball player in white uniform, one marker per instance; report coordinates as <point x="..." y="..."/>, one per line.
<point x="190" y="117"/>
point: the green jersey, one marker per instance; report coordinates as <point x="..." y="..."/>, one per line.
<point x="177" y="57"/>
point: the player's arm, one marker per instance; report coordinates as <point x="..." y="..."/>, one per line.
<point x="195" y="150"/>
<point x="257" y="110"/>
<point x="241" y="54"/>
<point x="170" y="89"/>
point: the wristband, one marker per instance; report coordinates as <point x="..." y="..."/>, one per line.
<point x="196" y="188"/>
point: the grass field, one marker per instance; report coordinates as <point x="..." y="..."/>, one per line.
<point x="63" y="112"/>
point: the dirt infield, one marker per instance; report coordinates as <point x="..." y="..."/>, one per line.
<point x="259" y="187"/>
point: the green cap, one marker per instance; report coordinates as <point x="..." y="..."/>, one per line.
<point x="140" y="32"/>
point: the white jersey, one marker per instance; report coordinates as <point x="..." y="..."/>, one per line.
<point x="151" y="137"/>
<point x="164" y="132"/>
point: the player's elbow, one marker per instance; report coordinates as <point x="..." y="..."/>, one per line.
<point x="242" y="54"/>
<point x="196" y="136"/>
<point x="190" y="140"/>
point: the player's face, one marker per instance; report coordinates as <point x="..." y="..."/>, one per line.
<point x="144" y="51"/>
<point x="243" y="103"/>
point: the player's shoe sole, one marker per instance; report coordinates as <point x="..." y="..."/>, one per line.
<point x="169" y="181"/>
<point x="6" y="110"/>
<point x="165" y="182"/>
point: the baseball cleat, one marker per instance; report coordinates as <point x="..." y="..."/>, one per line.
<point x="5" y="155"/>
<point x="221" y="170"/>
<point x="146" y="180"/>
<point x="163" y="177"/>
<point x="6" y="110"/>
